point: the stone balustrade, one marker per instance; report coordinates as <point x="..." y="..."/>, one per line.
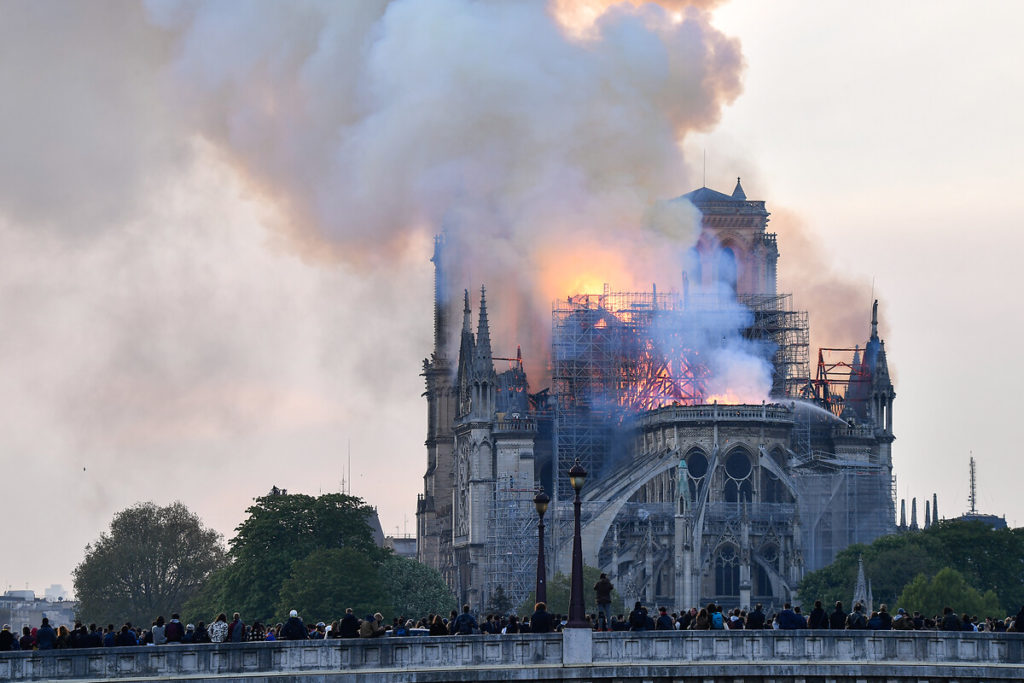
<point x="707" y="656"/>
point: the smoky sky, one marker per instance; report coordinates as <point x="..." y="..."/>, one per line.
<point x="215" y="219"/>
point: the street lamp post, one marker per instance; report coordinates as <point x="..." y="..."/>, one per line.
<point x="541" y="502"/>
<point x="577" y="611"/>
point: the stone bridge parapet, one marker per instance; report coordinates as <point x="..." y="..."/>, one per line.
<point x="707" y="656"/>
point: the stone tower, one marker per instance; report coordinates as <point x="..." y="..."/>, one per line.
<point x="434" y="506"/>
<point x="734" y="248"/>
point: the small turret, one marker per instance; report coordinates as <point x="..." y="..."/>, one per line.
<point x="738" y="192"/>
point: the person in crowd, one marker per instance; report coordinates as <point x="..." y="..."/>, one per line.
<point x="465" y="623"/>
<point x="874" y="622"/>
<point x="541" y="620"/>
<point x="109" y="636"/>
<point x="26" y="642"/>
<point x="202" y="633"/>
<point x="884" y="617"/>
<point x="438" y="627"/>
<point x="46" y="637"/>
<point x="219" y="629"/>
<point x="603" y="595"/>
<point x="294" y="629"/>
<point x="638" y="618"/>
<point x="755" y="619"/>
<point x="173" y="630"/>
<point x="349" y="625"/>
<point x="189" y="636"/>
<point x="664" y="622"/>
<point x="8" y="641"/>
<point x="512" y="626"/>
<point x="702" y="621"/>
<point x="837" y="618"/>
<point x="236" y="629"/>
<point x="126" y="638"/>
<point x="950" y="621"/>
<point x="856" y="619"/>
<point x="818" y="618"/>
<point x="1017" y="625"/>
<point x="735" y="620"/>
<point x="258" y="632"/>
<point x="788" y="619"/>
<point x="335" y="629"/>
<point x="158" y="631"/>
<point x="716" y="616"/>
<point x="372" y="626"/>
<point x="903" y="621"/>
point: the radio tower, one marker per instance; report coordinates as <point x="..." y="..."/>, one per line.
<point x="973" y="498"/>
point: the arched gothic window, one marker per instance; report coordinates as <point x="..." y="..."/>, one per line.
<point x="727" y="571"/>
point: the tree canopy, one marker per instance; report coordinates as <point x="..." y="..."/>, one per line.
<point x="559" y="590"/>
<point x="988" y="560"/>
<point x="948" y="588"/>
<point x="280" y="531"/>
<point x="150" y="562"/>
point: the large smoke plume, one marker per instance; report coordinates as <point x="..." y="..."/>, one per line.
<point x="540" y="136"/>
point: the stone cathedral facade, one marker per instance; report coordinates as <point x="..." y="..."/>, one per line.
<point x="691" y="498"/>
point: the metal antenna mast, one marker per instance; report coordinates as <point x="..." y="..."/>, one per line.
<point x="973" y="498"/>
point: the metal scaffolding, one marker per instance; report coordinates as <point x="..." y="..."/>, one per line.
<point x="511" y="542"/>
<point x="617" y="354"/>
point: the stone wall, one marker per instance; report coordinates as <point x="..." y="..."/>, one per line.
<point x="762" y="656"/>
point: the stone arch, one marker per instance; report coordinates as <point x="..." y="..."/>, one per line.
<point x="738" y="472"/>
<point x="725" y="569"/>
<point x="604" y="502"/>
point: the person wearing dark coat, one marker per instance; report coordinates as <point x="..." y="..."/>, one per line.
<point x="294" y="629"/>
<point x="603" y="595"/>
<point x="541" y="621"/>
<point x="950" y="621"/>
<point x="349" y="625"/>
<point x="236" y="630"/>
<point x="755" y="619"/>
<point x="46" y="639"/>
<point x="818" y="618"/>
<point x="788" y="619"/>
<point x="7" y="640"/>
<point x="837" y="619"/>
<point x="126" y="637"/>
<point x="438" y="627"/>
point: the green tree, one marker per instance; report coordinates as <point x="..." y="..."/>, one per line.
<point x="152" y="560"/>
<point x="948" y="588"/>
<point x="989" y="559"/>
<point x="414" y="589"/>
<point x="559" y="593"/>
<point x="326" y="582"/>
<point x="499" y="602"/>
<point x="281" y="529"/>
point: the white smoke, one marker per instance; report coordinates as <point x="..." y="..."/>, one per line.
<point x="153" y="337"/>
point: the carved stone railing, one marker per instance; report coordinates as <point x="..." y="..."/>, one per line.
<point x="704" y="655"/>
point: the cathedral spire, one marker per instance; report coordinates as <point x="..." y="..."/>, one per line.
<point x="466" y="321"/>
<point x="874" y="321"/>
<point x="483" y="332"/>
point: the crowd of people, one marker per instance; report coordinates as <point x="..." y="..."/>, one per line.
<point x="221" y="630"/>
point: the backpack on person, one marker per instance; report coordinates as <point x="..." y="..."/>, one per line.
<point x="717" y="622"/>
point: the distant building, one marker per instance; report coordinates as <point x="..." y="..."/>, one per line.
<point x="404" y="546"/>
<point x="22" y="608"/>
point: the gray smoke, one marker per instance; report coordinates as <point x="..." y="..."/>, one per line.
<point x="215" y="218"/>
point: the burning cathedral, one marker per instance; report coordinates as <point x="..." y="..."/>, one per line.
<point x="694" y="494"/>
